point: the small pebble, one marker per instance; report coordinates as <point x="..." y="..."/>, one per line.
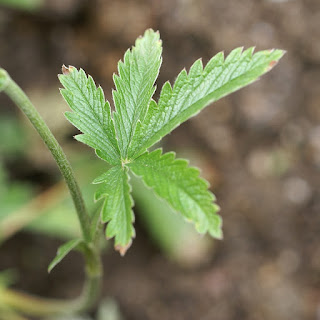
<point x="297" y="190"/>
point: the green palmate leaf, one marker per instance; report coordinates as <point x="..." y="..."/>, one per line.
<point x="180" y="185"/>
<point x="91" y="113"/>
<point x="135" y="85"/>
<point x="195" y="90"/>
<point x="122" y="137"/>
<point x="63" y="251"/>
<point x="117" y="207"/>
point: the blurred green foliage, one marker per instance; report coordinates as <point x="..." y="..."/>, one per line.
<point x="12" y="194"/>
<point x="27" y="5"/>
<point x="13" y="138"/>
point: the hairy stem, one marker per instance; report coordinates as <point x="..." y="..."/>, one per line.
<point x="22" y="101"/>
<point x="36" y="306"/>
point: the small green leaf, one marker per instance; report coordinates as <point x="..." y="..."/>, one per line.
<point x="91" y="113"/>
<point x="196" y="90"/>
<point x="63" y="251"/>
<point x="135" y="85"/>
<point x="117" y="207"/>
<point x="180" y="185"/>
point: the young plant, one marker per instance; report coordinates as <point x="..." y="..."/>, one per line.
<point x="124" y="136"/>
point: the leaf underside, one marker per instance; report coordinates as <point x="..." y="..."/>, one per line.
<point x="123" y="137"/>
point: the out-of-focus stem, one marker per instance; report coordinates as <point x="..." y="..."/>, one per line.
<point x="17" y="95"/>
<point x="36" y="306"/>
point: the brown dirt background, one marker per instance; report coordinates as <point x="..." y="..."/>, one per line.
<point x="261" y="145"/>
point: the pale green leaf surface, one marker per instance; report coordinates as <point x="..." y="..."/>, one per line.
<point x="196" y="90"/>
<point x="63" y="251"/>
<point x="117" y="208"/>
<point x="91" y="114"/>
<point x="135" y="85"/>
<point x="177" y="238"/>
<point x="180" y="185"/>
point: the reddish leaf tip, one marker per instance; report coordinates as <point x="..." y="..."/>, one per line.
<point x="123" y="249"/>
<point x="272" y="64"/>
<point x="66" y="70"/>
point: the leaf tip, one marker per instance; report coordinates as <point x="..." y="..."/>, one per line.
<point x="272" y="64"/>
<point x="52" y="265"/>
<point x="278" y="55"/>
<point x="219" y="235"/>
<point x="123" y="249"/>
<point x="67" y="70"/>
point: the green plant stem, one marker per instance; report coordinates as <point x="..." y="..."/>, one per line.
<point x="29" y="304"/>
<point x="35" y="306"/>
<point x="40" y="307"/>
<point x="22" y="101"/>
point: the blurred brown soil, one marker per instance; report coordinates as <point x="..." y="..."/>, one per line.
<point x="263" y="143"/>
